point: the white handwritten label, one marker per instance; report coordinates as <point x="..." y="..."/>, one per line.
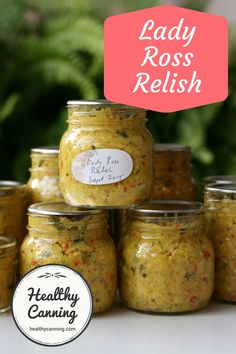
<point x="102" y="166"/>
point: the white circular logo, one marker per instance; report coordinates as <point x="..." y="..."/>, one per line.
<point x="52" y="305"/>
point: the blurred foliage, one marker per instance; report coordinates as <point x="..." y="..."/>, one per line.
<point x="105" y="8"/>
<point x="49" y="51"/>
<point x="53" y="51"/>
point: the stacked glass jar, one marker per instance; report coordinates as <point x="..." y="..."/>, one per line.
<point x="166" y="262"/>
<point x="172" y="173"/>
<point x="106" y="155"/>
<point x="105" y="161"/>
<point x="172" y="179"/>
<point x="43" y="184"/>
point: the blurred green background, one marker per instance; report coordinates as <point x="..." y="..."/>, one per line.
<point x="52" y="51"/>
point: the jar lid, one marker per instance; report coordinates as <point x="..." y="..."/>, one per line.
<point x="168" y="208"/>
<point x="46" y="150"/>
<point x="60" y="209"/>
<point x="101" y="103"/>
<point x="8" y="187"/>
<point x="225" y="188"/>
<point x="222" y="179"/>
<point x="9" y="184"/>
<point x="172" y="147"/>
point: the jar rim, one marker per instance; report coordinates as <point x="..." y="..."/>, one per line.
<point x="7" y="242"/>
<point x="221" y="188"/>
<point x="9" y="184"/>
<point x="220" y="179"/>
<point x="90" y="102"/>
<point x="53" y="149"/>
<point x="159" y="208"/>
<point x="60" y="209"/>
<point x="6" y="186"/>
<point x="100" y="103"/>
<point x="171" y="147"/>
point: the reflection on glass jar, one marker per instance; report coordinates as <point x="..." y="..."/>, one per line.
<point x="220" y="179"/>
<point x="8" y="268"/>
<point x="166" y="261"/>
<point x="220" y="202"/>
<point x="172" y="173"/>
<point x="43" y="184"/>
<point x="106" y="155"/>
<point x="76" y="238"/>
<point x="13" y="206"/>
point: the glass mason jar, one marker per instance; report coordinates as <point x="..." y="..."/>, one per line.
<point x="166" y="261"/>
<point x="8" y="270"/>
<point x="172" y="173"/>
<point x="172" y="179"/>
<point x="220" y="203"/>
<point x="77" y="238"/>
<point x="106" y="155"/>
<point x="13" y="208"/>
<point x="220" y="179"/>
<point x="43" y="184"/>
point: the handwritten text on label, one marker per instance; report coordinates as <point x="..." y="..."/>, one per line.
<point x="102" y="166"/>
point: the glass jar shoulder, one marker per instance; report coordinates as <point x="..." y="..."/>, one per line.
<point x="165" y="241"/>
<point x="64" y="250"/>
<point x="89" y="138"/>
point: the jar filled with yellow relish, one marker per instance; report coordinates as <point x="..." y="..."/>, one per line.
<point x="172" y="173"/>
<point x="106" y="155"/>
<point x="8" y="270"/>
<point x="77" y="238"/>
<point x="13" y="208"/>
<point x="220" y="203"/>
<point x="166" y="260"/>
<point x="43" y="184"/>
<point x="172" y="179"/>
